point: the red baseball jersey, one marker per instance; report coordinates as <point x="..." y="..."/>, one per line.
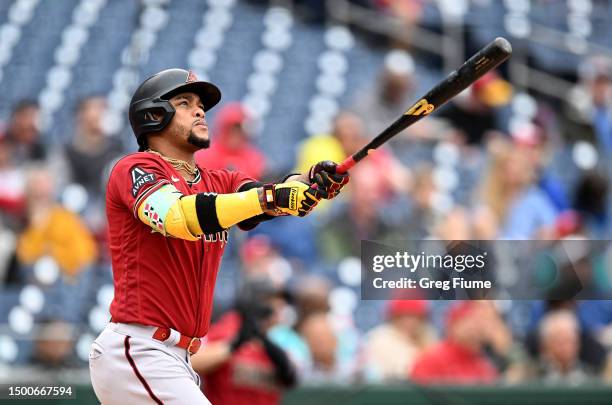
<point x="248" y="377"/>
<point x="161" y="280"/>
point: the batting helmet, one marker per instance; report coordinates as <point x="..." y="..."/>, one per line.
<point x="153" y="94"/>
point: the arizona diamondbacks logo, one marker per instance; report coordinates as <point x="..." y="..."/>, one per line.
<point x="140" y="178"/>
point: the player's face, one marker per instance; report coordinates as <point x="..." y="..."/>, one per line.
<point x="189" y="121"/>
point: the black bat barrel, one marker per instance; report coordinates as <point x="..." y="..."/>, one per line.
<point x="488" y="58"/>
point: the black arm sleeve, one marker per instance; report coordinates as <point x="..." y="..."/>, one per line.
<point x="207" y="213"/>
<point x="285" y="372"/>
<point x="252" y="222"/>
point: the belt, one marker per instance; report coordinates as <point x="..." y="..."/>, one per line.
<point x="169" y="337"/>
<point x="191" y="344"/>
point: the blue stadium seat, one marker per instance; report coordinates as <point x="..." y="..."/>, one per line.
<point x="25" y="75"/>
<point x="100" y="57"/>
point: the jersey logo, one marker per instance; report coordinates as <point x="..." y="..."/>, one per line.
<point x="174" y="179"/>
<point x="191" y="77"/>
<point x="139" y="179"/>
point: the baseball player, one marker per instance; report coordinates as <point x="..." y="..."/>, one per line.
<point x="168" y="226"/>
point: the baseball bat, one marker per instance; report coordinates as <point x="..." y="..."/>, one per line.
<point x="488" y="58"/>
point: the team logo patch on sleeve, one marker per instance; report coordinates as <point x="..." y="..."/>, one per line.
<point x="140" y="178"/>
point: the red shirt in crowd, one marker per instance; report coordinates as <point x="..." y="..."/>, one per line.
<point x="248" y="377"/>
<point x="231" y="151"/>
<point x="450" y="363"/>
<point x="159" y="280"/>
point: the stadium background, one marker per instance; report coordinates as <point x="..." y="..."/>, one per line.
<point x="542" y="131"/>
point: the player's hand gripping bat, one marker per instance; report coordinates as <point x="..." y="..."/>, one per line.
<point x="473" y="69"/>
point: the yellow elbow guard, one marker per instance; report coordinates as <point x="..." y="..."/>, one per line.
<point x="182" y="220"/>
<point x="166" y="211"/>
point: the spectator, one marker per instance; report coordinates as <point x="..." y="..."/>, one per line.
<point x="91" y="150"/>
<point x="9" y="271"/>
<point x="592" y="315"/>
<point x="232" y="147"/>
<point x="325" y="346"/>
<point x="239" y="363"/>
<point x="385" y="176"/>
<point x="391" y="348"/>
<point x="362" y="218"/>
<point x="291" y="240"/>
<point x="54" y="347"/>
<point x="458" y="359"/>
<point x="310" y="296"/>
<point x="409" y="11"/>
<point x="506" y="354"/>
<point x="12" y="185"/>
<point x="12" y="206"/>
<point x="536" y="143"/>
<point x="512" y="206"/>
<point x="591" y="204"/>
<point x="260" y="259"/>
<point x="24" y="135"/>
<point x="474" y="115"/>
<point x="380" y="106"/>
<point x="559" y="361"/>
<point x="321" y="346"/>
<point x="596" y="319"/>
<point x="347" y="137"/>
<point x="602" y="124"/>
<point x="422" y="214"/>
<point x="52" y="230"/>
<point x="379" y="180"/>
<point x="453" y="225"/>
<point x="588" y="104"/>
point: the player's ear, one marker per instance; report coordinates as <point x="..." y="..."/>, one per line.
<point x="154" y="115"/>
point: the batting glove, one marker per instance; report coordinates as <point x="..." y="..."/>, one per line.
<point x="290" y="198"/>
<point x="329" y="183"/>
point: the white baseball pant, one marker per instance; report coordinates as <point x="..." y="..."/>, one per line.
<point x="128" y="366"/>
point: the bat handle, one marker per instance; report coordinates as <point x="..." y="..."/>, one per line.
<point x="346" y="165"/>
<point x="342" y="167"/>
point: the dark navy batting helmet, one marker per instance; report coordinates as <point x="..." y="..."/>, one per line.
<point x="150" y="110"/>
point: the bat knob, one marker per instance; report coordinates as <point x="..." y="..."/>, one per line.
<point x="503" y="44"/>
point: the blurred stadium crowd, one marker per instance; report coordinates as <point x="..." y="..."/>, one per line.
<point x="499" y="162"/>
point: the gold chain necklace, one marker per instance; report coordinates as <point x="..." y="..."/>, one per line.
<point x="177" y="163"/>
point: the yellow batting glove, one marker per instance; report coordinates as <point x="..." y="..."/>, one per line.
<point x="291" y="198"/>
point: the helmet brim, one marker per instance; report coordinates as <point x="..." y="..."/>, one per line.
<point x="209" y="94"/>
